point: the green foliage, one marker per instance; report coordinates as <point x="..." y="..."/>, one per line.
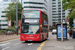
<point x="66" y="4"/>
<point x="2" y="32"/>
<point x="70" y="5"/>
<point x="11" y="11"/>
<point x="11" y="29"/>
<point x="71" y="22"/>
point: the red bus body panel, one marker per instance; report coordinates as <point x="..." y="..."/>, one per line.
<point x="27" y="37"/>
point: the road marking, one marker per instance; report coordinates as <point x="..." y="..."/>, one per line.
<point x="5" y="48"/>
<point x="17" y="43"/>
<point x="10" y="40"/>
<point x="43" y="43"/>
<point x="39" y="48"/>
<point x="4" y="44"/>
<point x="30" y="44"/>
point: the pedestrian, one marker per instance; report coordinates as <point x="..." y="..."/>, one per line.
<point x="73" y="34"/>
<point x="70" y="32"/>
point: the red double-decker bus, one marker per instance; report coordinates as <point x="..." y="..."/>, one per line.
<point x="34" y="25"/>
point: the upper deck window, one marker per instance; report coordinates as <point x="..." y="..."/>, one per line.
<point x="31" y="14"/>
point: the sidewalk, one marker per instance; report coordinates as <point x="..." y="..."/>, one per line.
<point x="53" y="44"/>
<point x="8" y="37"/>
<point x="50" y="32"/>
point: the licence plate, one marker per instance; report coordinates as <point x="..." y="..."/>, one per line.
<point x="29" y="40"/>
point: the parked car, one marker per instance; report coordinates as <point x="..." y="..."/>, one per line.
<point x="54" y="31"/>
<point x="9" y="32"/>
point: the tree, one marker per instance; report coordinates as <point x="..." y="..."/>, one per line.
<point x="70" y="5"/>
<point x="11" y="11"/>
<point x="70" y="22"/>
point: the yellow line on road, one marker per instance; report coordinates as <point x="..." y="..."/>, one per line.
<point x="43" y="43"/>
<point x="9" y="40"/>
<point x="39" y="48"/>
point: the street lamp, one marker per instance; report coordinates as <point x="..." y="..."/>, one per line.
<point x="17" y="16"/>
<point x="61" y="23"/>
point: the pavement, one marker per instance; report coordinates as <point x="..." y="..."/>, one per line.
<point x="8" y="37"/>
<point x="54" y="44"/>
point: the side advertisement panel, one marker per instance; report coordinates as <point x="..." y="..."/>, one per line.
<point x="59" y="31"/>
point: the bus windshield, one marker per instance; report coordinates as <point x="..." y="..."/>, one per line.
<point x="30" y="29"/>
<point x="31" y="14"/>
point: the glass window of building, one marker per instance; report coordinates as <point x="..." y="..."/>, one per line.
<point x="54" y="17"/>
<point x="13" y="0"/>
<point x="3" y="11"/>
<point x="3" y="16"/>
<point x="59" y="2"/>
<point x="54" y="20"/>
<point x="59" y="5"/>
<point x="59" y="8"/>
<point x="32" y="3"/>
<point x="54" y="14"/>
<point x="35" y="3"/>
<point x="45" y="1"/>
<point x="4" y="25"/>
<point x="53" y="11"/>
<point x="35" y="7"/>
<point x="5" y="0"/>
<point x="53" y="0"/>
<point x="53" y="5"/>
<point x="53" y="8"/>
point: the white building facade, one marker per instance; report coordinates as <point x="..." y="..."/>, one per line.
<point x="35" y="4"/>
<point x="55" y="12"/>
<point x="3" y="20"/>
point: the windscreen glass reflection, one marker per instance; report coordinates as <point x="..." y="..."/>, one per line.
<point x="30" y="29"/>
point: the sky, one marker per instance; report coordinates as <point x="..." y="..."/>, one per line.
<point x="0" y="0"/>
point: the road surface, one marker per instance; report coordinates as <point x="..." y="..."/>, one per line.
<point x="19" y="45"/>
